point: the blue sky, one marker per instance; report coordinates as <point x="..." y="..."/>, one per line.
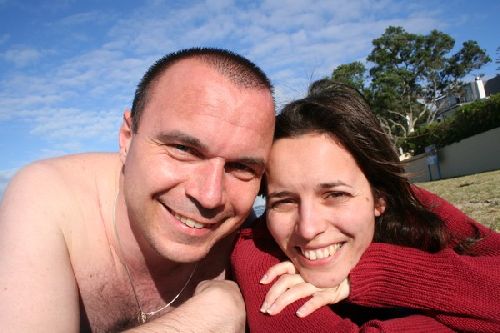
<point x="68" y="68"/>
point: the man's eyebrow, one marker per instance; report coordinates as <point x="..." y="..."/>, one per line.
<point x="181" y="137"/>
<point x="258" y="162"/>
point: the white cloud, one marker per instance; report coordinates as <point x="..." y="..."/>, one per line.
<point x="81" y="97"/>
<point x="21" y="55"/>
<point x="71" y="124"/>
<point x="83" y="18"/>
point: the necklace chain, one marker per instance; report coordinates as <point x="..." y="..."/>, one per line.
<point x="142" y="317"/>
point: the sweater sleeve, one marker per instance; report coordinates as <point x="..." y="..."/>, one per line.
<point x="460" y="226"/>
<point x="460" y="291"/>
<point x="250" y="260"/>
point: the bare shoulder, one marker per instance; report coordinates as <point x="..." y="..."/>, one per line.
<point x="64" y="178"/>
<point x="68" y="167"/>
<point x="41" y="214"/>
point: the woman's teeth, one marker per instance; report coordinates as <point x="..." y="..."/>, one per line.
<point x="321" y="253"/>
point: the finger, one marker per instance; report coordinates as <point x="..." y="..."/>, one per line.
<point x="293" y="294"/>
<point x="281" y="285"/>
<point x="285" y="267"/>
<point x="344" y="289"/>
<point x="202" y="285"/>
<point x="323" y="297"/>
<point x="316" y="302"/>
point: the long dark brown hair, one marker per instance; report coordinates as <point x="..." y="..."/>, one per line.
<point x="343" y="113"/>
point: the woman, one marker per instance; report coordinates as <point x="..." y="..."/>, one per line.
<point x="357" y="238"/>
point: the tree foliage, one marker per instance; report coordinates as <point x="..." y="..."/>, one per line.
<point x="352" y="74"/>
<point x="470" y="119"/>
<point x="408" y="74"/>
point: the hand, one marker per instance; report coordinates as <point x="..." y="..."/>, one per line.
<point x="290" y="287"/>
<point x="222" y="305"/>
<point x="216" y="306"/>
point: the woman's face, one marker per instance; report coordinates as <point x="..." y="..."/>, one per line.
<point x="320" y="207"/>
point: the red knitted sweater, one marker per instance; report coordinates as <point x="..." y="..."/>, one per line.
<point x="393" y="288"/>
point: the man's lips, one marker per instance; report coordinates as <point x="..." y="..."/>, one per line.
<point x="187" y="221"/>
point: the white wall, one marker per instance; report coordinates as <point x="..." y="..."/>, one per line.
<point x="479" y="153"/>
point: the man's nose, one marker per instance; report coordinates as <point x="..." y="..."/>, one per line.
<point x="311" y="222"/>
<point x="206" y="186"/>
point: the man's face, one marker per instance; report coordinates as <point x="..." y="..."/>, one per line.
<point x="193" y="169"/>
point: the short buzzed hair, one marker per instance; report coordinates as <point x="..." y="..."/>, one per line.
<point x="235" y="67"/>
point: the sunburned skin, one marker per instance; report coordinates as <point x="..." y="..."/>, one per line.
<point x="141" y="219"/>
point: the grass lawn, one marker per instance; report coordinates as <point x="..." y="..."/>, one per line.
<point x="476" y="195"/>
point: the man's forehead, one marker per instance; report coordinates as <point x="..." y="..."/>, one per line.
<point x="206" y="93"/>
<point x="196" y="74"/>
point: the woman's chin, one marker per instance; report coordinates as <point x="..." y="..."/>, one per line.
<point x="322" y="279"/>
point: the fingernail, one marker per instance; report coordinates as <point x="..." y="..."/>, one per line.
<point x="264" y="307"/>
<point x="263" y="279"/>
<point x="299" y="313"/>
<point x="270" y="310"/>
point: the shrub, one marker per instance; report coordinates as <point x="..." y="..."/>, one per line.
<point x="470" y="119"/>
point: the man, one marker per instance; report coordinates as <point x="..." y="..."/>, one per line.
<point x="141" y="238"/>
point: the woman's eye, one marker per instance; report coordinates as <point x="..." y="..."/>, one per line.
<point x="282" y="205"/>
<point x="337" y="196"/>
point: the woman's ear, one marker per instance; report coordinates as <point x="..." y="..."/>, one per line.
<point x="125" y="135"/>
<point x="380" y="206"/>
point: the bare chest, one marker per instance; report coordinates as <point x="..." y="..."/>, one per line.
<point x="106" y="300"/>
<point x="108" y="303"/>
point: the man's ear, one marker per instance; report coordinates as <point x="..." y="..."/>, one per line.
<point x="380" y="206"/>
<point x="125" y="135"/>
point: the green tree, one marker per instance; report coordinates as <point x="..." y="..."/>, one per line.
<point x="411" y="71"/>
<point x="352" y="74"/>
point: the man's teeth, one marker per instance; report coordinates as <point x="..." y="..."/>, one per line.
<point x="187" y="221"/>
<point x="321" y="253"/>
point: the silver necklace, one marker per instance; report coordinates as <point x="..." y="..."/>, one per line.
<point x="143" y="317"/>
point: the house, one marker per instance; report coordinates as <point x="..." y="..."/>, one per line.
<point x="447" y="105"/>
<point x="492" y="86"/>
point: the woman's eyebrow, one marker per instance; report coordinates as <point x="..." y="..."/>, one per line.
<point x="332" y="185"/>
<point x="280" y="194"/>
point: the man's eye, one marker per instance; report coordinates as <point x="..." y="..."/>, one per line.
<point x="182" y="148"/>
<point x="182" y="152"/>
<point x="240" y="170"/>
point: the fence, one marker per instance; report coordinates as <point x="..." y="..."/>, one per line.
<point x="478" y="153"/>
